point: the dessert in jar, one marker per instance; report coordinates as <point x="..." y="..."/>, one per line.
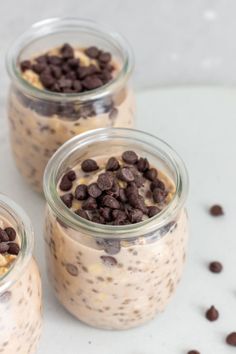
<point x="68" y="76"/>
<point x="116" y="228"/>
<point x="20" y="283"/>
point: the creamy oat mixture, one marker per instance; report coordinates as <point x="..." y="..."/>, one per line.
<point x="20" y="304"/>
<point x="38" y="127"/>
<point x="112" y="283"/>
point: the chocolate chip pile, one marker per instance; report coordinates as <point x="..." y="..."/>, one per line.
<point x="7" y="244"/>
<point x="115" y="198"/>
<point x="65" y="73"/>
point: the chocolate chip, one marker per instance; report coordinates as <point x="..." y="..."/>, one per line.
<point x="153" y="210"/>
<point x="4" y="236"/>
<point x="67" y="51"/>
<point x="231" y="339"/>
<point x="157" y="184"/>
<point x="56" y="72"/>
<point x="90" y="204"/>
<point x="111" y="246"/>
<point x="109" y="261"/>
<point x="72" y="269"/>
<point x="92" y="52"/>
<point x="92" y="82"/>
<point x="122" y="195"/>
<point x="89" y="165"/>
<point x="216" y="210"/>
<point x="215" y="267"/>
<point x="151" y="174"/>
<point x="104" y="57"/>
<point x="11" y="233"/>
<point x="194" y="352"/>
<point x="47" y="79"/>
<point x="81" y="192"/>
<point x="137" y="202"/>
<point x="25" y="65"/>
<point x="77" y="86"/>
<point x="125" y="174"/>
<point x="67" y="199"/>
<point x="54" y="60"/>
<point x="112" y="165"/>
<point x="131" y="189"/>
<point x="212" y="314"/>
<point x="135" y="215"/>
<point x="119" y="217"/>
<point x="71" y="175"/>
<point x="65" y="184"/>
<point x="4" y="247"/>
<point x="139" y="181"/>
<point x="130" y="157"/>
<point x="105" y="213"/>
<point x="110" y="202"/>
<point x="64" y="83"/>
<point x="105" y="181"/>
<point x="115" y="190"/>
<point x="73" y="63"/>
<point x="13" y="248"/>
<point x="142" y="164"/>
<point x="94" y="191"/>
<point x="159" y="195"/>
<point x="82" y="214"/>
<point x="38" y="68"/>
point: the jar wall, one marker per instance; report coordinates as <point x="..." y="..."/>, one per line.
<point x="114" y="284"/>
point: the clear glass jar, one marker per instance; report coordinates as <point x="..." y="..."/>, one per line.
<point x="20" y="289"/>
<point x="146" y="258"/>
<point x="40" y="120"/>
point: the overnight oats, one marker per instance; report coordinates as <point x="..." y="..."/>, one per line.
<point x="20" y="283"/>
<point x="68" y="76"/>
<point x="116" y="229"/>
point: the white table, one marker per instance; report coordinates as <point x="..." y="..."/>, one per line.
<point x="200" y="123"/>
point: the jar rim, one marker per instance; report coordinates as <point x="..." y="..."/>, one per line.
<point x="71" y="219"/>
<point x="53" y="25"/>
<point x="26" y="234"/>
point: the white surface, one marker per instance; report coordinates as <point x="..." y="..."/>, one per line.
<point x="174" y="41"/>
<point x="200" y="124"/>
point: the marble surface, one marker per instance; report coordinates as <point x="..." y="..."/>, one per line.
<point x="174" y="42"/>
<point x="200" y="124"/>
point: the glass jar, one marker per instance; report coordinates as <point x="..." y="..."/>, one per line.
<point x="20" y="289"/>
<point x="40" y="120"/>
<point x="143" y="261"/>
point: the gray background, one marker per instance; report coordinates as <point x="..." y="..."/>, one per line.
<point x="175" y="41"/>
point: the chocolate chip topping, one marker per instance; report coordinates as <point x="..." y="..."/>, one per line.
<point x="64" y="73"/>
<point x="216" y="210"/>
<point x="212" y="314"/>
<point x="4" y="236"/>
<point x="6" y="245"/>
<point x="11" y="233"/>
<point x="89" y="165"/>
<point x="194" y="352"/>
<point x="13" y="248"/>
<point x="231" y="339"/>
<point x="116" y="196"/>
<point x="130" y="157"/>
<point x="215" y="267"/>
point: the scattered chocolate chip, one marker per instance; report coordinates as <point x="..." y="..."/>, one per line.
<point x="119" y="217"/>
<point x="216" y="210"/>
<point x="92" y="52"/>
<point x="135" y="215"/>
<point x="89" y="165"/>
<point x="105" y="181"/>
<point x="72" y="269"/>
<point x="13" y="248"/>
<point x="110" y="202"/>
<point x="92" y="82"/>
<point x="25" y="65"/>
<point x="65" y="184"/>
<point x="81" y="192"/>
<point x="94" y="191"/>
<point x="159" y="195"/>
<point x="10" y="232"/>
<point x="130" y="157"/>
<point x="105" y="213"/>
<point x="153" y="210"/>
<point x="47" y="79"/>
<point x="194" y="352"/>
<point x="139" y="181"/>
<point x="4" y="247"/>
<point x="115" y="190"/>
<point x="231" y="339"/>
<point x="112" y="164"/>
<point x="104" y="57"/>
<point x="111" y="246"/>
<point x="71" y="175"/>
<point x="38" y="68"/>
<point x="125" y="174"/>
<point x="212" y="314"/>
<point x="67" y="199"/>
<point x="142" y="164"/>
<point x="82" y="214"/>
<point x="215" y="267"/>
<point x="90" y="204"/>
<point x="109" y="261"/>
<point x="4" y="236"/>
<point x="157" y="184"/>
<point x="67" y="51"/>
<point x="151" y="174"/>
<point x="137" y="202"/>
